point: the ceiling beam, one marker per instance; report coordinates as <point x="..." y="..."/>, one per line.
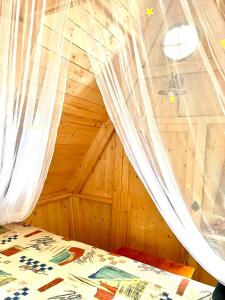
<point x="92" y="156"/>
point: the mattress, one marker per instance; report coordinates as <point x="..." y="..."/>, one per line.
<point x="36" y="264"/>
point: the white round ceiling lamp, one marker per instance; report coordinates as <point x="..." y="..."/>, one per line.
<point x="180" y="41"/>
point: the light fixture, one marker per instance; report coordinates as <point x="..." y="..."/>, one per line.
<point x="180" y="41"/>
<point x="176" y="86"/>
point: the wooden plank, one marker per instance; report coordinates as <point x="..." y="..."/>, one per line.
<point x="125" y="205"/>
<point x="66" y="157"/>
<point x="70" y="133"/>
<point x="73" y="141"/>
<point x="74" y="33"/>
<point x="51" y="198"/>
<point x="51" y="216"/>
<point x="173" y="127"/>
<point x="83" y="113"/>
<point x="100" y="181"/>
<point x="91" y="222"/>
<point x="96" y="218"/>
<point x="199" y="172"/>
<point x="96" y="198"/>
<point x="79" y="17"/>
<point x="84" y="104"/>
<point x="97" y="147"/>
<point x="70" y="51"/>
<point x="120" y="198"/>
<point x="76" y="220"/>
<point x="69" y="118"/>
<point x="102" y="12"/>
<point x="71" y="219"/>
<point x="57" y="182"/>
<point x="79" y="87"/>
<point x="176" y="146"/>
<point x="194" y="95"/>
<point x="190" y="164"/>
<point x="70" y="69"/>
<point x="133" y="7"/>
<point x="36" y="218"/>
<point x="79" y="74"/>
<point x="79" y="90"/>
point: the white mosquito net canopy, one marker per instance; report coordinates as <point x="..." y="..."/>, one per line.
<point x="160" y="66"/>
<point x="33" y="75"/>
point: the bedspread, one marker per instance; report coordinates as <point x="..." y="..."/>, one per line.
<point x="36" y="265"/>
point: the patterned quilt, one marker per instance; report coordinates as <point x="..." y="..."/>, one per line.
<point x="36" y="265"/>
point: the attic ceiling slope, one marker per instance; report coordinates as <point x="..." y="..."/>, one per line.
<point x="83" y="102"/>
<point x="84" y="112"/>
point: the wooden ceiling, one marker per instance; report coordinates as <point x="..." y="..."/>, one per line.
<point x="84" y="121"/>
<point x="84" y="124"/>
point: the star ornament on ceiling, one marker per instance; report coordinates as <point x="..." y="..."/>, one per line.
<point x="149" y="12"/>
<point x="222" y="43"/>
<point x="172" y="99"/>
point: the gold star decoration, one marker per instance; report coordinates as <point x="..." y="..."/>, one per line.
<point x="222" y="43"/>
<point x="172" y="98"/>
<point x="149" y="12"/>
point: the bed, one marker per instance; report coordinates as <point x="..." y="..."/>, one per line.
<point x="36" y="264"/>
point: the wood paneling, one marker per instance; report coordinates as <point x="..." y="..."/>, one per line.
<point x="73" y="141"/>
<point x="113" y="209"/>
<point x="91" y="157"/>
<point x="91" y="222"/>
<point x="83" y="110"/>
<point x="52" y="216"/>
<point x="100" y="182"/>
<point x="136" y="222"/>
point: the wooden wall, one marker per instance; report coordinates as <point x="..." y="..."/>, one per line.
<point x="112" y="210"/>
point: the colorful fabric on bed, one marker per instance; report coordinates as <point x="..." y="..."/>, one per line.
<point x="35" y="264"/>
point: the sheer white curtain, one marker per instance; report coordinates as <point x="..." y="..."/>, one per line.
<point x="161" y="74"/>
<point x="33" y="73"/>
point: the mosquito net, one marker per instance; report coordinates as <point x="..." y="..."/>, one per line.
<point x="33" y="74"/>
<point x="160" y="67"/>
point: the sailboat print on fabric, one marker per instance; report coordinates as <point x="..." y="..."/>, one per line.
<point x="111" y="281"/>
<point x="67" y="256"/>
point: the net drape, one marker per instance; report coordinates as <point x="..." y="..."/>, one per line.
<point x="33" y="73"/>
<point x="168" y="113"/>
